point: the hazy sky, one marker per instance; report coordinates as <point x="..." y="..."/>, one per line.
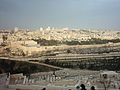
<point x="89" y="14"/>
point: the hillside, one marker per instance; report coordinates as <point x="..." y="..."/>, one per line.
<point x="58" y="49"/>
<point x="62" y="34"/>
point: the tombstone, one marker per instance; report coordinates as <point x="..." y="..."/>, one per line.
<point x="24" y="81"/>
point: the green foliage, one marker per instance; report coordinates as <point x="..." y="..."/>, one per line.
<point x="72" y="42"/>
<point x="68" y="51"/>
<point x="44" y="42"/>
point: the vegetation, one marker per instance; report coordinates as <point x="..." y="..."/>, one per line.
<point x="44" y="42"/>
<point x="99" y="41"/>
<point x="14" y="67"/>
<point x="104" y="63"/>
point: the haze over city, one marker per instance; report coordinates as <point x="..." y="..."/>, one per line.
<point x="33" y="14"/>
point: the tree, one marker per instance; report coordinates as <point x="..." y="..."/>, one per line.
<point x="106" y="83"/>
<point x="68" y="51"/>
<point x="47" y="61"/>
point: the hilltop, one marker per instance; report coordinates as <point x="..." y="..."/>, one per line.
<point x="19" y="42"/>
<point x="62" y="34"/>
<point x="56" y="49"/>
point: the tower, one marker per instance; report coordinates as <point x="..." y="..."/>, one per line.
<point x="41" y="28"/>
<point x="16" y="29"/>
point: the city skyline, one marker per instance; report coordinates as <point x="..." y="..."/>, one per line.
<point x="80" y="14"/>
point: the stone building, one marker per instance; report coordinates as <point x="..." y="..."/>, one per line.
<point x="109" y="74"/>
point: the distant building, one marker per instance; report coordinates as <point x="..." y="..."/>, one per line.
<point x="26" y="42"/>
<point x="41" y="29"/>
<point x="66" y="28"/>
<point x="48" y="28"/>
<point x="53" y="28"/>
<point x="16" y="29"/>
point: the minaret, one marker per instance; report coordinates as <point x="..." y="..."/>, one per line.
<point x="16" y="29"/>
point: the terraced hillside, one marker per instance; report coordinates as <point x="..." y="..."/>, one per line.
<point x="24" y="66"/>
<point x="90" y="61"/>
<point x="92" y="57"/>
